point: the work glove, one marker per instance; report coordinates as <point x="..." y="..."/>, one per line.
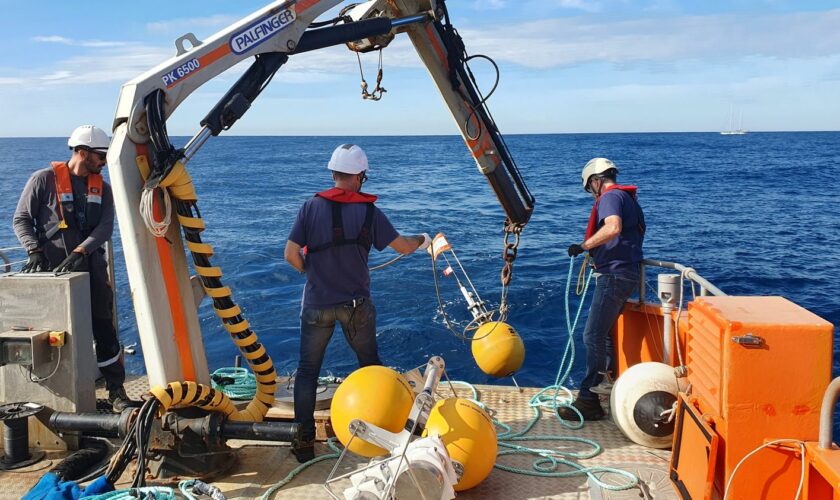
<point x="575" y="250"/>
<point x="37" y="262"/>
<point x="71" y="263"/>
<point x="427" y="240"/>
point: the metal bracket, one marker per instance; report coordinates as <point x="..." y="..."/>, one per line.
<point x="189" y="37"/>
<point x="748" y="340"/>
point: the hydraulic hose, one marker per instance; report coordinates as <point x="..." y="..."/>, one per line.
<point x="180" y="186"/>
<point x="168" y="172"/>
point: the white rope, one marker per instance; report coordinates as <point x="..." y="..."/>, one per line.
<point x="765" y="445"/>
<point x="158" y="229"/>
<point x="37" y="379"/>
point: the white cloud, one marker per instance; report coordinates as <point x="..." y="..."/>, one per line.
<point x="78" y="43"/>
<point x="180" y="26"/>
<point x="489" y="4"/>
<point x="115" y="63"/>
<point x="575" y="40"/>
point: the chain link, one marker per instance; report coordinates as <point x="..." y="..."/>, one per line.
<point x="509" y="256"/>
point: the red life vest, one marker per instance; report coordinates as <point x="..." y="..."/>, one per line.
<point x="337" y="197"/>
<point x="64" y="195"/>
<point x="343" y="196"/>
<point x="592" y="227"/>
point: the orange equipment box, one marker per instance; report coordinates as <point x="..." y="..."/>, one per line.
<point x="758" y="368"/>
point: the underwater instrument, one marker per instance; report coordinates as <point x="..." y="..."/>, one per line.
<point x="434" y="450"/>
<point x="496" y="346"/>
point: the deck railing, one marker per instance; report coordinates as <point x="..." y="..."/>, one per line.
<point x="706" y="287"/>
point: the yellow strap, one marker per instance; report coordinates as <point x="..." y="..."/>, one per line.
<point x="256" y="354"/>
<point x="143" y="166"/>
<point x="238" y="328"/>
<point x="209" y="272"/>
<point x="177" y="392"/>
<point x="217" y="293"/>
<point x="191" y="222"/>
<point x="202" y="248"/>
<point x="230" y="312"/>
<point x="266" y="365"/>
<point x="192" y="389"/>
<point x="268" y="399"/>
<point x="179" y="183"/>
<point x="266" y="378"/>
<point x="204" y="392"/>
<point x="161" y="395"/>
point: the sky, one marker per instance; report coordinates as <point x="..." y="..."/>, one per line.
<point x="566" y="66"/>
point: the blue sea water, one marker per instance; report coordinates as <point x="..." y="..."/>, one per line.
<point x="750" y="213"/>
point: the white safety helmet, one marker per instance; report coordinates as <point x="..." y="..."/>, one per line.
<point x="596" y="166"/>
<point x="89" y="137"/>
<point x="349" y="159"/>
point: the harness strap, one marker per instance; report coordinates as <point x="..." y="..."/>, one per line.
<point x="363" y="239"/>
<point x="64" y="196"/>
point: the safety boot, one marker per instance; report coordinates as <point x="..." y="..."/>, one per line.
<point x="590" y="409"/>
<point x="120" y="401"/>
<point x="303" y="450"/>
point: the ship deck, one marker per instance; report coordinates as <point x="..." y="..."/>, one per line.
<point x="260" y="466"/>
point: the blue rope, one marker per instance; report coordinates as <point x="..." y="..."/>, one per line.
<point x="549" y="460"/>
<point x="244" y="385"/>
<point x="300" y="468"/>
<point x="146" y="493"/>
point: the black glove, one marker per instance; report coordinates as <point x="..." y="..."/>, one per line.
<point x="70" y="264"/>
<point x="37" y="262"/>
<point x="575" y="250"/>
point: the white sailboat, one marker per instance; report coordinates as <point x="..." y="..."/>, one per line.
<point x="732" y="130"/>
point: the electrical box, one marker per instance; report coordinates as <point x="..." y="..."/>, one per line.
<point x="25" y="347"/>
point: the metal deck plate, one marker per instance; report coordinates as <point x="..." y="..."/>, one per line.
<point x="260" y="466"/>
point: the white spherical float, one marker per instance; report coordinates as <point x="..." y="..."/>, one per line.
<point x="640" y="400"/>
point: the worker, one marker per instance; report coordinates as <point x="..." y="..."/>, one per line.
<point x="63" y="219"/>
<point x="613" y="238"/>
<point x="329" y="242"/>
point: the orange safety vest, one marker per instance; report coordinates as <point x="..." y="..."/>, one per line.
<point x="64" y="195"/>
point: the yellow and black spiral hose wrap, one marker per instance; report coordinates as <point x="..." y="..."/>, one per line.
<point x="181" y="189"/>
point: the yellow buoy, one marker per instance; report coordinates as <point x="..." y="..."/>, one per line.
<point x="498" y="349"/>
<point x="469" y="436"/>
<point x="374" y="394"/>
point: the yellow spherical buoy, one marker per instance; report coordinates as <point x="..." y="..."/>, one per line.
<point x="498" y="349"/>
<point x="374" y="394"/>
<point x="469" y="436"/>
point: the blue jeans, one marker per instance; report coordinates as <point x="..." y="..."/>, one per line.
<point x="611" y="292"/>
<point x="358" y="321"/>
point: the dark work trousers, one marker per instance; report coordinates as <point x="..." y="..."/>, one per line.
<point x="358" y="321"/>
<point x="108" y="349"/>
<point x="611" y="292"/>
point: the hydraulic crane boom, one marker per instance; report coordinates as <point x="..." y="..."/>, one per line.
<point x="144" y="164"/>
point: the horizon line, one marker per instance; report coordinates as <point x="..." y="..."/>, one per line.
<point x="458" y="135"/>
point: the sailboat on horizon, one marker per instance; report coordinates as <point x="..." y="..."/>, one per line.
<point x="732" y="130"/>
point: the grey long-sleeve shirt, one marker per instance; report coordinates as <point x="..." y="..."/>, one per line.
<point x="37" y="215"/>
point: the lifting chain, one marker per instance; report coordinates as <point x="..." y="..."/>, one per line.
<point x="379" y="90"/>
<point x="509" y="256"/>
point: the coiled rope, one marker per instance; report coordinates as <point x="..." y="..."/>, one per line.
<point x="235" y="383"/>
<point x="145" y="493"/>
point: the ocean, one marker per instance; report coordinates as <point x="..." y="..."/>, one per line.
<point x="747" y="212"/>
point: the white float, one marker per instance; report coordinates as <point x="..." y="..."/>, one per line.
<point x="640" y="403"/>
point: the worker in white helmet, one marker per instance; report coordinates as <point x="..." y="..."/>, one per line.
<point x="63" y="218"/>
<point x="330" y="241"/>
<point x="613" y="238"/>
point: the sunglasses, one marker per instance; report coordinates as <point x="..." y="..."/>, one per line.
<point x="99" y="154"/>
<point x="364" y="178"/>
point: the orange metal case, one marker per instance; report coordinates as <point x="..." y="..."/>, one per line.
<point x="694" y="455"/>
<point x="758" y="367"/>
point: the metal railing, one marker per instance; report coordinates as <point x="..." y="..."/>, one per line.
<point x="6" y="266"/>
<point x="706" y="287"/>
